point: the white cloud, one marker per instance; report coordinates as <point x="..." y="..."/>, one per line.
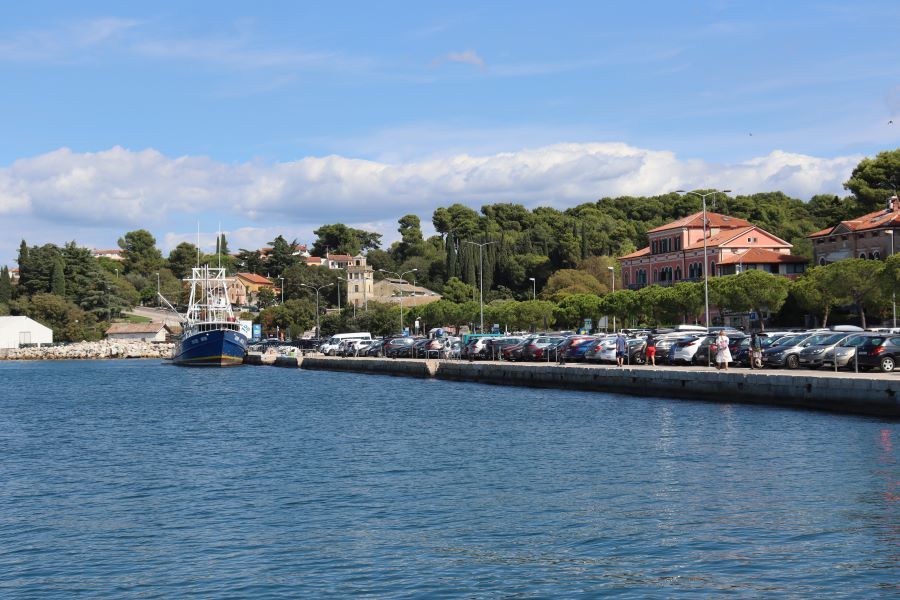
<point x="466" y="57"/>
<point x="119" y="188"/>
<point x="66" y="43"/>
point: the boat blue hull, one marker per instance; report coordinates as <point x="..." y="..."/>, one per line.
<point x="219" y="348"/>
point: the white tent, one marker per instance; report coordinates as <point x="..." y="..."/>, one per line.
<point x="16" y="331"/>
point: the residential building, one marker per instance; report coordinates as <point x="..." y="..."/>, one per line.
<point x="243" y="289"/>
<point x="869" y="236"/>
<point x="112" y="254"/>
<point x="144" y="332"/>
<point x="392" y="290"/>
<point x="339" y="261"/>
<point x="20" y="331"/>
<point x="14" y="276"/>
<point x="675" y="252"/>
<point x="360" y="282"/>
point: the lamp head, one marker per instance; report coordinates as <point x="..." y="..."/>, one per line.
<point x="611" y="268"/>
<point x="726" y="191"/>
<point x="680" y="192"/>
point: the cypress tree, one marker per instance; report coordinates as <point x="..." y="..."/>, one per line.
<point x="24" y="271"/>
<point x="584" y="243"/>
<point x="452" y="259"/>
<point x="5" y="286"/>
<point x="58" y="278"/>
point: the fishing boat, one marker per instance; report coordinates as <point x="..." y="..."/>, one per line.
<point x="211" y="334"/>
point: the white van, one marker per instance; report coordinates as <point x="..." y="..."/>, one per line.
<point x="331" y="346"/>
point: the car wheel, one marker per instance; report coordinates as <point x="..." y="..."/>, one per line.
<point x="792" y="361"/>
<point x="887" y="364"/>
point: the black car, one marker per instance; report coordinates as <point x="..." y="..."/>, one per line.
<point x="399" y="347"/>
<point x="879" y="351"/>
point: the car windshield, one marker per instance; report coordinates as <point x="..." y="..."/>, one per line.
<point x="833" y="339"/>
<point x="788" y="340"/>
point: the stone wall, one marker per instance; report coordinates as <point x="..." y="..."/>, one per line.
<point x="92" y="350"/>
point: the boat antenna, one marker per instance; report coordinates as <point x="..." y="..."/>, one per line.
<point x="198" y="244"/>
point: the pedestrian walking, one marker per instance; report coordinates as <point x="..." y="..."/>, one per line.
<point x="723" y="354"/>
<point x="621" y="348"/>
<point x="651" y="350"/>
<point x="755" y="351"/>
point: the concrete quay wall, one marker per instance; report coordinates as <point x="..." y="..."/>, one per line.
<point x="871" y="394"/>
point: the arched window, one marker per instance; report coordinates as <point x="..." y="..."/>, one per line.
<point x="356" y="288"/>
<point x="877" y="255"/>
<point x="677" y="273"/>
<point x="625" y="278"/>
<point x="655" y="275"/>
<point x="712" y="269"/>
<point x="822" y="261"/>
<point x="862" y="255"/>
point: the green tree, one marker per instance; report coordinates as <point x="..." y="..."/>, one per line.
<point x="567" y="282"/>
<point x="411" y="241"/>
<point x="459" y="292"/>
<point x="573" y="310"/>
<point x="182" y="259"/>
<point x="814" y="292"/>
<point x="6" y="288"/>
<point x="281" y="257"/>
<point x="858" y="282"/>
<point x="221" y="245"/>
<point x="265" y="298"/>
<point x="249" y="261"/>
<point x="58" y="278"/>
<point x="68" y="322"/>
<point x="140" y="253"/>
<point x="751" y="290"/>
<point x="294" y="317"/>
<point x="875" y="179"/>
<point x="337" y="238"/>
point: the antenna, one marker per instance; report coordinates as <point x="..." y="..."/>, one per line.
<point x="198" y="244"/>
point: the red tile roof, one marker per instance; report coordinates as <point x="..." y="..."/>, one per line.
<point x="153" y="327"/>
<point x="884" y="218"/>
<point x="339" y="257"/>
<point x="696" y="220"/>
<point x="254" y="278"/>
<point x="761" y="256"/>
<point x="638" y="254"/>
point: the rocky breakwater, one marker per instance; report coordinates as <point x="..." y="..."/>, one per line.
<point x="91" y="351"/>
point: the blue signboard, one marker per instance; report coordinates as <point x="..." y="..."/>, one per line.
<point x="257" y="331"/>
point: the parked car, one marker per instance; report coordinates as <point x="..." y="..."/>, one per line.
<point x="493" y="348"/>
<point x="635" y="355"/>
<point x="813" y="355"/>
<point x="683" y="350"/>
<point x="845" y="352"/>
<point x="541" y="348"/>
<point x="785" y="351"/>
<point x="576" y="347"/>
<point x="596" y="352"/>
<point x="880" y="352"/>
<point x="706" y="357"/>
<point x="399" y="347"/>
<point x="515" y="351"/>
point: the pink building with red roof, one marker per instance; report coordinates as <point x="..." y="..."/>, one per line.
<point x="869" y="236"/>
<point x="733" y="245"/>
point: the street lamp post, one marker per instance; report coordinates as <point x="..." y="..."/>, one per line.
<point x="481" y="269"/>
<point x="705" y="259"/>
<point x="533" y="288"/>
<point x="400" y="289"/>
<point x="282" y="289"/>
<point x="890" y="232"/>
<point x="612" y="279"/>
<point x="157" y="290"/>
<point x="321" y="287"/>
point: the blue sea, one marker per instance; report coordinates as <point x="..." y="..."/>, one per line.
<point x="135" y="479"/>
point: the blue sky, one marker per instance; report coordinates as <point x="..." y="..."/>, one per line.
<point x="278" y="117"/>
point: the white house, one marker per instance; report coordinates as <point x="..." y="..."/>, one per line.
<point x="145" y="332"/>
<point x="17" y="331"/>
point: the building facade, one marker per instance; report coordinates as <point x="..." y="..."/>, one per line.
<point x="16" y="332"/>
<point x="243" y="289"/>
<point x="144" y="332"/>
<point x="360" y="282"/>
<point x="870" y="236"/>
<point x="675" y="252"/>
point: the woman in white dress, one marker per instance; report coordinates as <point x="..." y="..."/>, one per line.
<point x="723" y="354"/>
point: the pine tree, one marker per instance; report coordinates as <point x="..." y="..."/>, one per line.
<point x="584" y="243"/>
<point x="58" y="278"/>
<point x="5" y="286"/>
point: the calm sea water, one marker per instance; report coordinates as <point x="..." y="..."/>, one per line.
<point x="136" y="479"/>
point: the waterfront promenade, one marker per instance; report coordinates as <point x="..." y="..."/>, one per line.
<point x="858" y="393"/>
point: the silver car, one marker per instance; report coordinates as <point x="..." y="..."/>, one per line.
<point x="813" y="356"/>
